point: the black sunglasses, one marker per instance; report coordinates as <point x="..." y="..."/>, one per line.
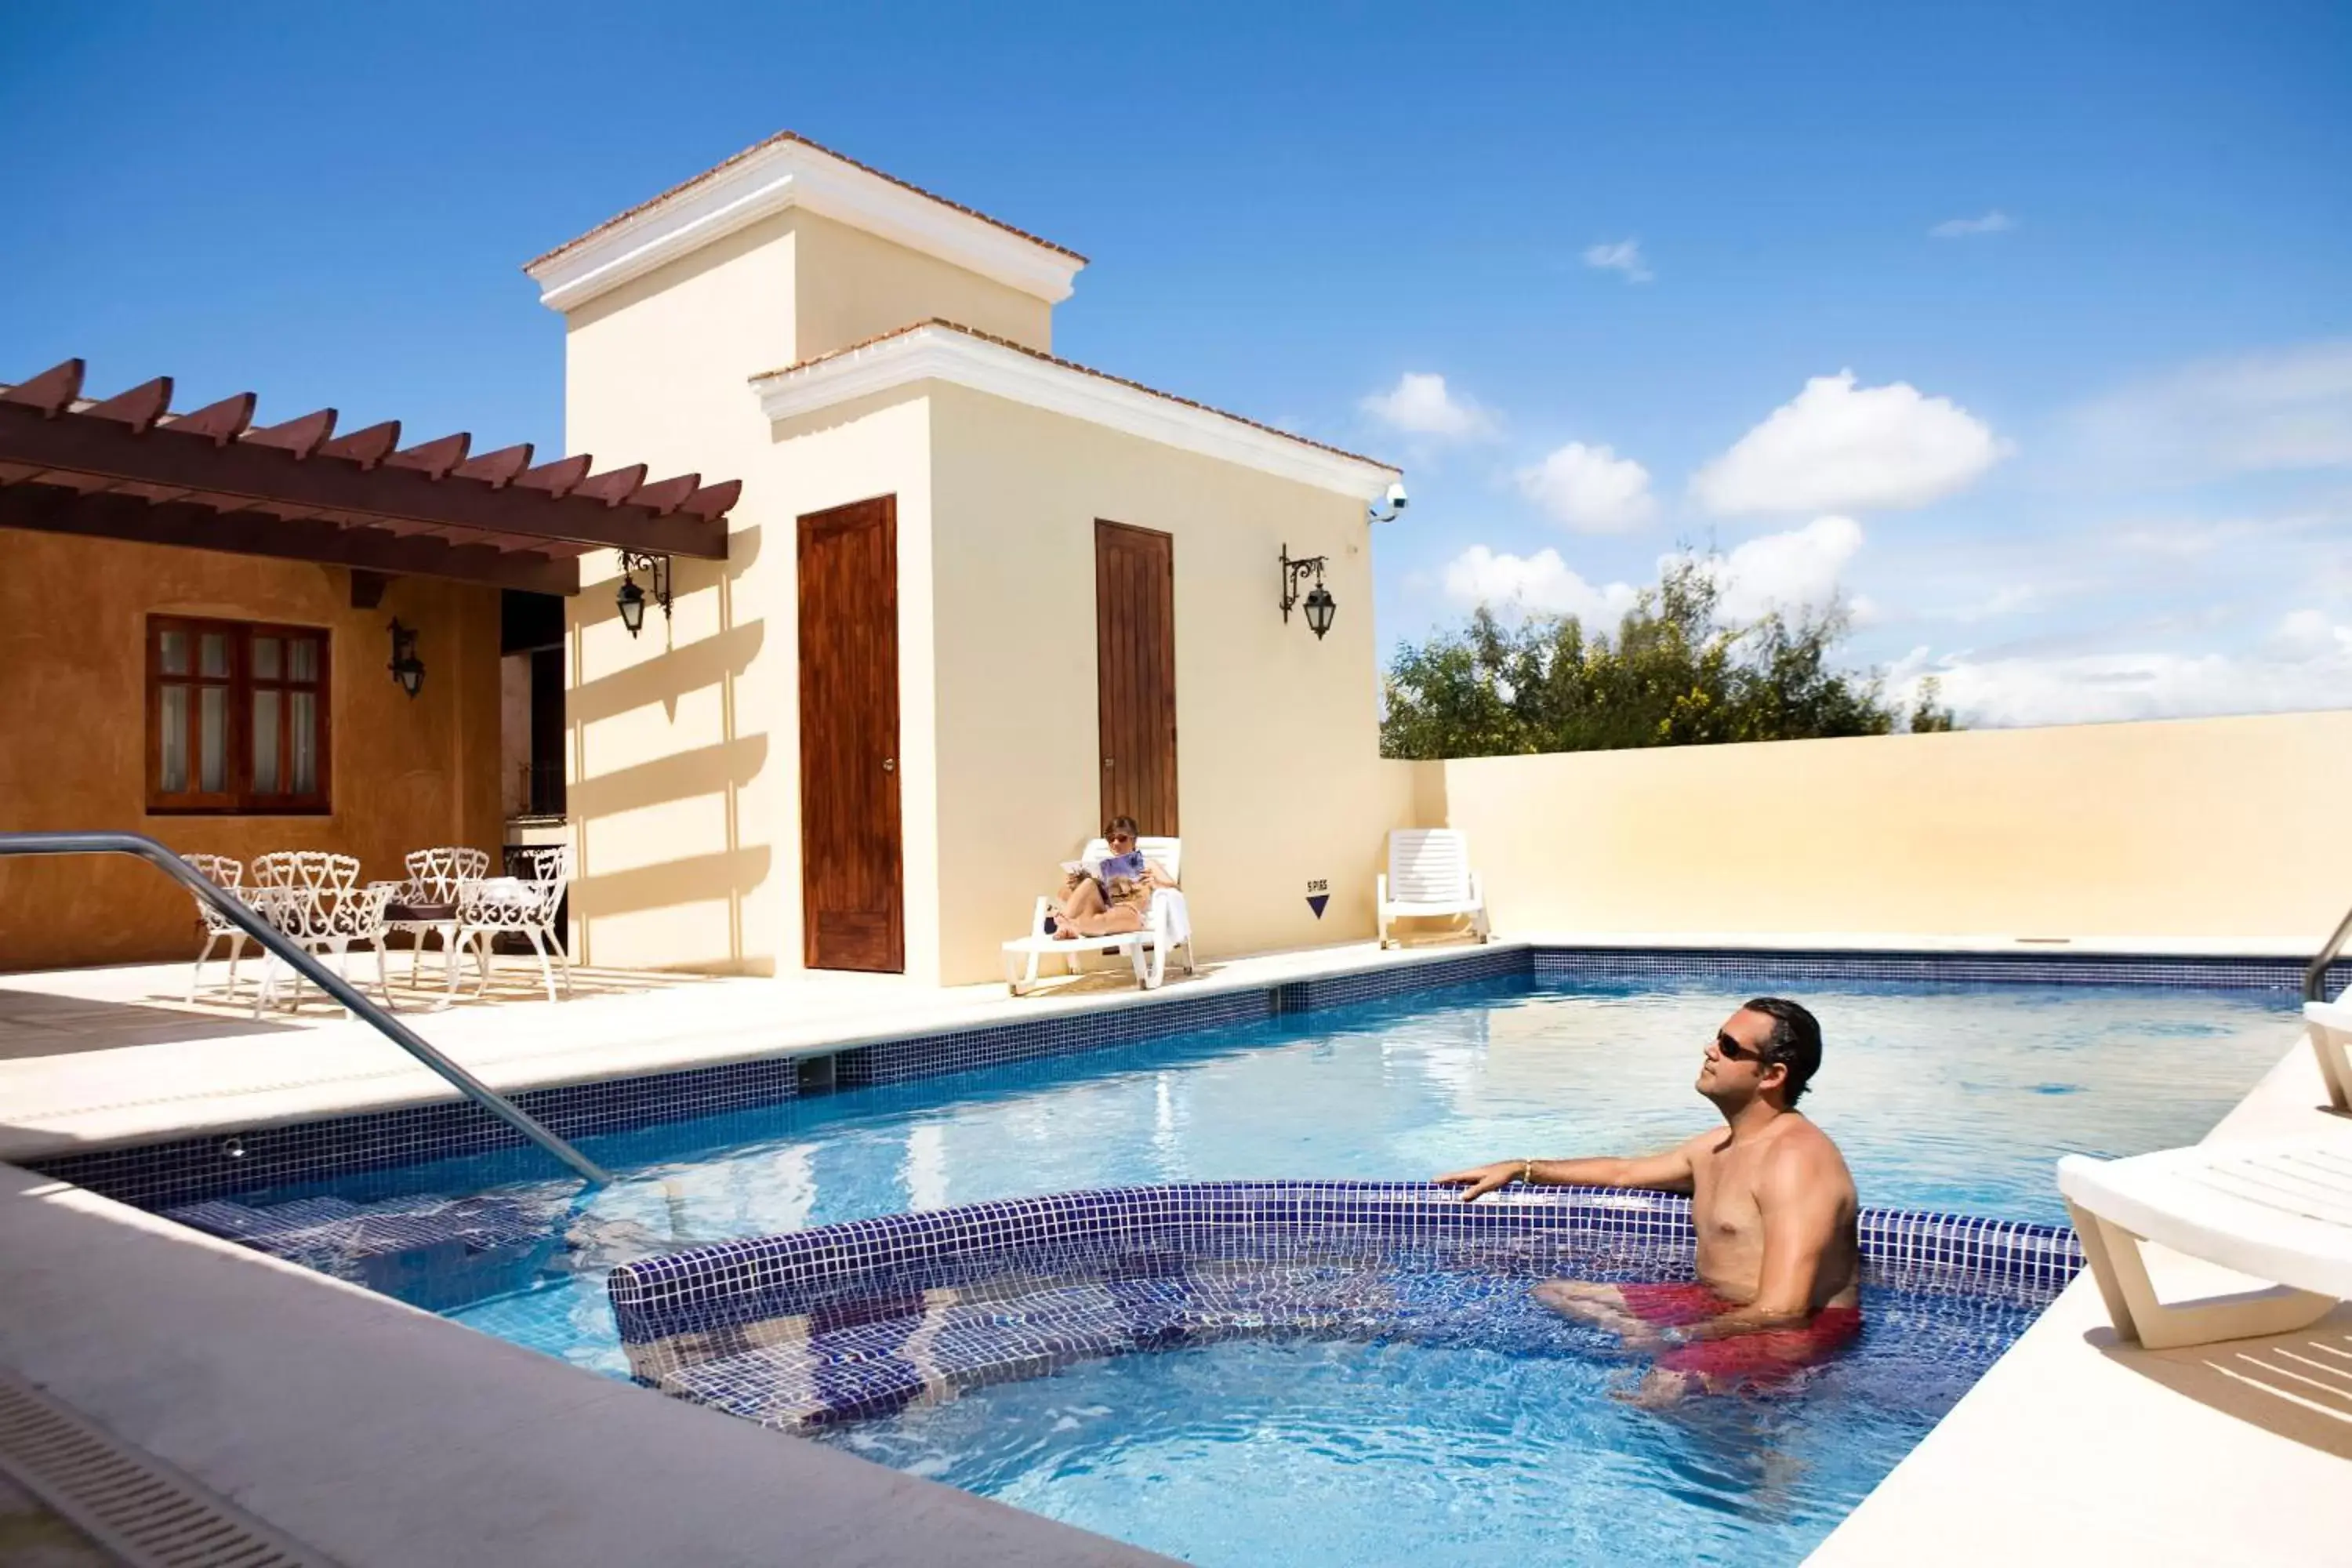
<point x="1731" y="1051"/>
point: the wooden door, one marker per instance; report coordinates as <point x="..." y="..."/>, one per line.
<point x="1135" y="664"/>
<point x="852" y="882"/>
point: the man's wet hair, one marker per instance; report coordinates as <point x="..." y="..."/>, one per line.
<point x="1795" y="1042"/>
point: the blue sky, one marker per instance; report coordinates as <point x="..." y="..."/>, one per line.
<point x="2094" y="460"/>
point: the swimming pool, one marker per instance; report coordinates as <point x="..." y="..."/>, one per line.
<point x="1945" y="1098"/>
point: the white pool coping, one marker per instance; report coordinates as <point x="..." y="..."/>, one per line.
<point x="2075" y="1449"/>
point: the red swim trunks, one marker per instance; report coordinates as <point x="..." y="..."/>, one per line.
<point x="1771" y="1356"/>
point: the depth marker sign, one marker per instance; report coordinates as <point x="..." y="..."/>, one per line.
<point x="1318" y="893"/>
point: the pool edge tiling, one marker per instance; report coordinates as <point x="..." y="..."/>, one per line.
<point x="174" y="1172"/>
<point x="864" y="1317"/>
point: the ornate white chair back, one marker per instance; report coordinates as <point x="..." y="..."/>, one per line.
<point x="303" y="888"/>
<point x="221" y="871"/>
<point x="434" y="874"/>
<point x="359" y="913"/>
<point x="546" y="870"/>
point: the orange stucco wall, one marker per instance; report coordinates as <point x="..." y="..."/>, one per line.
<point x="405" y="774"/>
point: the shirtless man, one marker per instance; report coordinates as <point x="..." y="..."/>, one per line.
<point x="1778" y="1263"/>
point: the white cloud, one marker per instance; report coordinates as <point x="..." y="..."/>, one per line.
<point x="2286" y="409"/>
<point x="1994" y="222"/>
<point x="1839" y="446"/>
<point x="1591" y="488"/>
<point x="2306" y="634"/>
<point x="2305" y="664"/>
<point x="1624" y="256"/>
<point x="1420" y="405"/>
<point x="2009" y="599"/>
<point x="1795" y="571"/>
<point x="1540" y="582"/>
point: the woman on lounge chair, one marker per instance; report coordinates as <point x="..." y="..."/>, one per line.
<point x="1108" y="897"/>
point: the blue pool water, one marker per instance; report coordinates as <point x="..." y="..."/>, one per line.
<point x="1505" y="1447"/>
<point x="1953" y="1098"/>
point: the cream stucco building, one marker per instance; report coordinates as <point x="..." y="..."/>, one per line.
<point x="1043" y="551"/>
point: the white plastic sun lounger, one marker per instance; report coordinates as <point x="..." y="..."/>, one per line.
<point x="2275" y="1211"/>
<point x="1429" y="874"/>
<point x="1167" y="928"/>
<point x="2330" y="1028"/>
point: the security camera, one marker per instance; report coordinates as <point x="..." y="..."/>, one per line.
<point x="1397" y="501"/>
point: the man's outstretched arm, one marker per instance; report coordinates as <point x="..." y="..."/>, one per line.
<point x="1666" y="1172"/>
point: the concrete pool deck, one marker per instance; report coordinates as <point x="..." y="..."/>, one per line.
<point x="382" y="1435"/>
<point x="99" y="1057"/>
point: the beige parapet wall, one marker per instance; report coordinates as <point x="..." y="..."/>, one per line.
<point x="2184" y="829"/>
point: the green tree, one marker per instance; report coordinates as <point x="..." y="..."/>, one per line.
<point x="1674" y="673"/>
<point x="1928" y="716"/>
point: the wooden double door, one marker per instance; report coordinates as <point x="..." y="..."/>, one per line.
<point x="853" y="861"/>
<point x="1135" y="673"/>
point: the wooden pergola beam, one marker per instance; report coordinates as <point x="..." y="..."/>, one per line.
<point x="52" y="509"/>
<point x="111" y="452"/>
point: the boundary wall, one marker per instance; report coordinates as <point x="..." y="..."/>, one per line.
<point x="2180" y="830"/>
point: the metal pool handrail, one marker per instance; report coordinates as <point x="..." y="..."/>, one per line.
<point x="237" y="913"/>
<point x="2315" y="979"/>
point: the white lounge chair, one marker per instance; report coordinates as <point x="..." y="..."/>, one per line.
<point x="1167" y="928"/>
<point x="1429" y="874"/>
<point x="2280" y="1212"/>
<point x="2329" y="1025"/>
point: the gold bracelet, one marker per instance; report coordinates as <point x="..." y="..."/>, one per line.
<point x="1528" y="1172"/>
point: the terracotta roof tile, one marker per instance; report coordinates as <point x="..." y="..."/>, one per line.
<point x="1070" y="364"/>
<point x="778" y="139"/>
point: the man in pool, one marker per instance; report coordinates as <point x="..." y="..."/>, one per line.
<point x="1778" y="1262"/>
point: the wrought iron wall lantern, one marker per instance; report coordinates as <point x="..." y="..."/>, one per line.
<point x="406" y="667"/>
<point x="632" y="598"/>
<point x="1320" y="605"/>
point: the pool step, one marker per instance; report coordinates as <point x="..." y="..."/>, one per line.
<point x="429" y="1250"/>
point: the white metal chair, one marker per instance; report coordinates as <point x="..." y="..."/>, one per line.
<point x="1167" y="927"/>
<point x="1429" y="874"/>
<point x="2279" y="1211"/>
<point x="427" y="902"/>
<point x="524" y="905"/>
<point x="229" y="874"/>
<point x="312" y="898"/>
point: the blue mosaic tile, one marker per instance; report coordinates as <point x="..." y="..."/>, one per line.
<point x="1066" y="1034"/>
<point x="189" y="1170"/>
<point x="852" y="1321"/>
<point x="1945" y="968"/>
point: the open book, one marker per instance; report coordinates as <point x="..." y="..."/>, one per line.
<point x="1108" y="867"/>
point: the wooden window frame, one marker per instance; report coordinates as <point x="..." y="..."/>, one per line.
<point x="238" y="799"/>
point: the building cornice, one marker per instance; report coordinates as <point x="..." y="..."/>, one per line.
<point x="940" y="351"/>
<point x="791" y="172"/>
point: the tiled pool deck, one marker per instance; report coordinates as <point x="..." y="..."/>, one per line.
<point x="109" y="1078"/>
